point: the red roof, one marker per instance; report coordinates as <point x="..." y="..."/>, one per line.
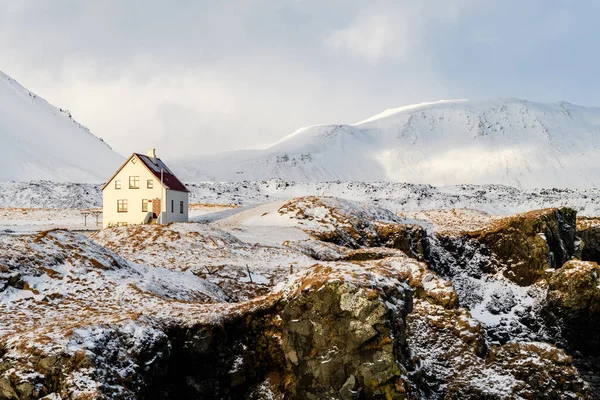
<point x="169" y="179"/>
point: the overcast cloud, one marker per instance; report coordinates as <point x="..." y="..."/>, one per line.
<point x="194" y="77"/>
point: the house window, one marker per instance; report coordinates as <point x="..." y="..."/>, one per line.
<point x="122" y="206"/>
<point x="134" y="182"/>
<point x="145" y="205"/>
<point x="117" y="184"/>
<point x="172" y="206"/>
<point x="181" y="207"/>
<point x="121" y="223"/>
<point x="150" y="184"/>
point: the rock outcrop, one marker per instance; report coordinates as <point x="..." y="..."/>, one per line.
<point x="588" y="229"/>
<point x="530" y="370"/>
<point x="573" y="305"/>
<point x="354" y="226"/>
<point x="347" y="342"/>
<point x="522" y="247"/>
<point x="455" y="361"/>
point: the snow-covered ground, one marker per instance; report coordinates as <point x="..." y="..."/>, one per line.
<point x="236" y="259"/>
<point x="397" y="197"/>
<point x="196" y="210"/>
<point x="21" y="220"/>
<point x="40" y="219"/>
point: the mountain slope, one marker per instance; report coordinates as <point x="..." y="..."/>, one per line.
<point x="503" y="141"/>
<point x="40" y="141"/>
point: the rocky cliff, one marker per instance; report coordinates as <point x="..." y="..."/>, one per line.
<point x="304" y="299"/>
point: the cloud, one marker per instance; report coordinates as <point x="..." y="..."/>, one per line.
<point x="374" y="36"/>
<point x="395" y="30"/>
<point x="207" y="76"/>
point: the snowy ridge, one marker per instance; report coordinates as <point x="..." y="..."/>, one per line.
<point x="40" y="141"/>
<point x="500" y="141"/>
<point x="397" y="110"/>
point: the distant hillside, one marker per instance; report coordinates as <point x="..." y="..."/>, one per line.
<point x="501" y="141"/>
<point x="40" y="141"/>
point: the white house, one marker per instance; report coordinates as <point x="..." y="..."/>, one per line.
<point x="144" y="190"/>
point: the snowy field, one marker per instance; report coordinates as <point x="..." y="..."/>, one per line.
<point x="42" y="205"/>
<point x="397" y="197"/>
<point x="21" y="220"/>
<point x="40" y="219"/>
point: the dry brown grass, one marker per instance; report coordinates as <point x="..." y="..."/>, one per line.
<point x="39" y="237"/>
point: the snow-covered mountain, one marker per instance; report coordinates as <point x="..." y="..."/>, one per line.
<point x="502" y="141"/>
<point x="40" y="141"/>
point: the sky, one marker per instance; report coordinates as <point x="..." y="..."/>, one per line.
<point x="197" y="77"/>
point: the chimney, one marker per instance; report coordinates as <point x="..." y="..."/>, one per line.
<point x="152" y="154"/>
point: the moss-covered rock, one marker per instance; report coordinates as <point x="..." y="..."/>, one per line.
<point x="7" y="392"/>
<point x="573" y="305"/>
<point x="344" y="341"/>
<point x="574" y="289"/>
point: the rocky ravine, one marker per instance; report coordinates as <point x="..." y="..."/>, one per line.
<point x="310" y="298"/>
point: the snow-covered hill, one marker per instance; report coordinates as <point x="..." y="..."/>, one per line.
<point x="40" y="141"/>
<point x="501" y="141"/>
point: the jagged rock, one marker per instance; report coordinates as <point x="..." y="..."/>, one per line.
<point x="6" y="390"/>
<point x="573" y="305"/>
<point x="444" y="343"/>
<point x="343" y="340"/>
<point x="350" y="225"/>
<point x="588" y="229"/>
<point x="454" y="361"/>
<point x="522" y="247"/>
<point x="574" y="289"/>
<point x="474" y="257"/>
<point x="426" y="284"/>
<point x="330" y="332"/>
<point x="527" y="244"/>
<point x="521" y="370"/>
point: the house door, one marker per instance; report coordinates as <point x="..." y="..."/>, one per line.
<point x="156" y="208"/>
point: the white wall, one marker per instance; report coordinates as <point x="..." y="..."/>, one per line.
<point x="134" y="214"/>
<point x="176" y="197"/>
